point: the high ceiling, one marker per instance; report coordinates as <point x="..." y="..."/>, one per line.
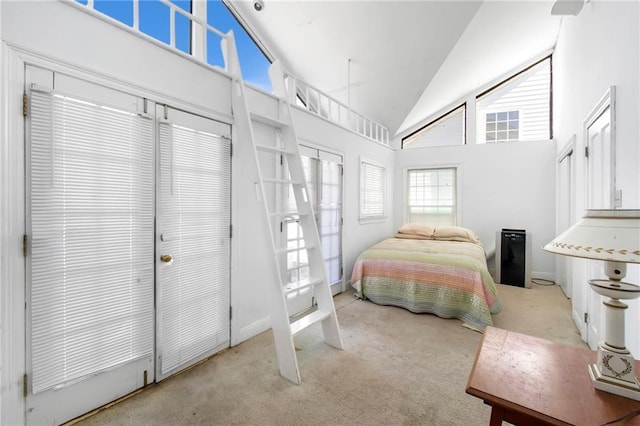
<point x="401" y="62"/>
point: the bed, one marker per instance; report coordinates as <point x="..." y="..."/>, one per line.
<point x="440" y="270"/>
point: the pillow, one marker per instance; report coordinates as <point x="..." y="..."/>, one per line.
<point x="455" y="233"/>
<point x="412" y="236"/>
<point x="416" y="229"/>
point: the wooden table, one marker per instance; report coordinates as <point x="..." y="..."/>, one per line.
<point x="532" y="381"/>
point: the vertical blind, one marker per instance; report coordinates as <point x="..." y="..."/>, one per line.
<point x="195" y="198"/>
<point x="372" y="190"/>
<point x="91" y="218"/>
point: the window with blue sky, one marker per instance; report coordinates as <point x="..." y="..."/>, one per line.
<point x="155" y="21"/>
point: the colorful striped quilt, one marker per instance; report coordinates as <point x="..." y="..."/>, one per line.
<point x="446" y="278"/>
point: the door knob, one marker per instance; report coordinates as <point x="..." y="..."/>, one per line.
<point x="166" y="258"/>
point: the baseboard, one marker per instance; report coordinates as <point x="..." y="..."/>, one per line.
<point x="252" y="330"/>
<point x="542" y="275"/>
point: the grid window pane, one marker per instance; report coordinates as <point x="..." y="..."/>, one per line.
<point x="432" y="196"/>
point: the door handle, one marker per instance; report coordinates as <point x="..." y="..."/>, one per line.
<point x="166" y="258"/>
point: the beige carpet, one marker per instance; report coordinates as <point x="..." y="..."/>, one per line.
<point x="397" y="368"/>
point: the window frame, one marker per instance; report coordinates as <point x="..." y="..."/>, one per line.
<point x="457" y="189"/>
<point x="372" y="217"/>
<point x="433" y="123"/>
<point x="511" y="79"/>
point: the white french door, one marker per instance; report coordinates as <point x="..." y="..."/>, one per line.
<point x="323" y="174"/>
<point x="111" y="191"/>
<point x="193" y="239"/>
<point x="90" y="281"/>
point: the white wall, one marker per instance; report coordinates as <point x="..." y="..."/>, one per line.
<point x="510" y="185"/>
<point x="60" y="37"/>
<point x="597" y="49"/>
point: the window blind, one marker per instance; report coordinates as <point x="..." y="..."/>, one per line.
<point x="91" y="219"/>
<point x="372" y="190"/>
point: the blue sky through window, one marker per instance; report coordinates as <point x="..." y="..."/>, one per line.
<point x="155" y="21"/>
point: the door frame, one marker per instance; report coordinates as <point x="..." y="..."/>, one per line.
<point x="12" y="225"/>
<point x="13" y="202"/>
<point x="594" y="311"/>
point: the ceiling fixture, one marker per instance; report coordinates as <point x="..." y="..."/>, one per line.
<point x="567" y="7"/>
<point x="258" y="5"/>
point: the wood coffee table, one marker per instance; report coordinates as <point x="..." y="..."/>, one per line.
<point x="532" y="381"/>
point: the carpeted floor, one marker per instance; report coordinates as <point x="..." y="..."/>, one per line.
<point x="397" y="368"/>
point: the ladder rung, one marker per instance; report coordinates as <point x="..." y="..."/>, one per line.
<point x="289" y="213"/>
<point x="293" y="249"/>
<point x="274" y="149"/>
<point x="299" y="285"/>
<point x="268" y="120"/>
<point x="282" y="181"/>
<point x="308" y="320"/>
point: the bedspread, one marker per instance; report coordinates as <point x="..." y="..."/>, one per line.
<point x="446" y="278"/>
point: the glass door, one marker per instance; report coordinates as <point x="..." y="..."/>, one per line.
<point x="90" y="282"/>
<point x="193" y="241"/>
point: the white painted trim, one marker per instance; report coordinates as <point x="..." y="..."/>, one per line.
<point x="252" y="330"/>
<point x="41" y="60"/>
<point x="12" y="228"/>
<point x="405" y="192"/>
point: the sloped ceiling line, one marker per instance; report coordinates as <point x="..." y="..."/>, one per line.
<point x="409" y="59"/>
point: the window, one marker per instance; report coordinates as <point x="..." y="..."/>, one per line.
<point x="502" y="126"/>
<point x="432" y="196"/>
<point x="154" y="18"/>
<point x="518" y="109"/>
<point x="372" y="190"/>
<point x="253" y="62"/>
<point x="447" y="130"/>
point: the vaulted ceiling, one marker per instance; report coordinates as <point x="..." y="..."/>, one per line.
<point x="401" y="62"/>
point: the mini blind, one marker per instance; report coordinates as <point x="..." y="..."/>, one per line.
<point x="195" y="189"/>
<point x="372" y="190"/>
<point x="91" y="219"/>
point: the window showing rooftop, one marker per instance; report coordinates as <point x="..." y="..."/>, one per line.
<point x="518" y="109"/>
<point x="446" y="130"/>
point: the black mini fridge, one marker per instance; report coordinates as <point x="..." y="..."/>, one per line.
<point x="513" y="257"/>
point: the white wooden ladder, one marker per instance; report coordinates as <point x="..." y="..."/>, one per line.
<point x="286" y="152"/>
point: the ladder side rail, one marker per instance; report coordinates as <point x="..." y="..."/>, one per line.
<point x="323" y="293"/>
<point x="285" y="348"/>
